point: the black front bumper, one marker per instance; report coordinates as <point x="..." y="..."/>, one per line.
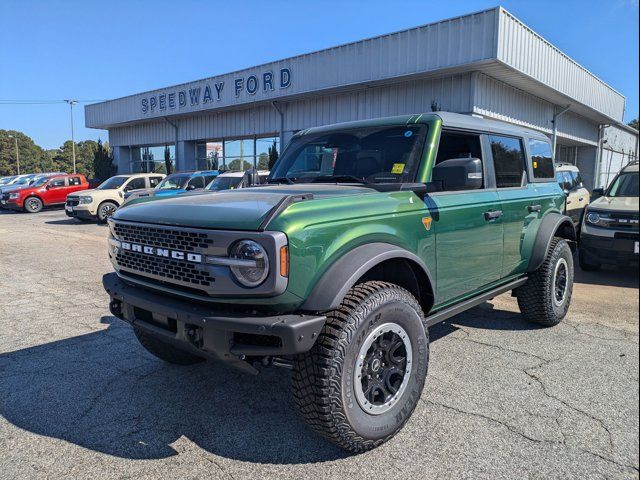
<point x="618" y="250"/>
<point x="80" y="214"/>
<point x="209" y="331"/>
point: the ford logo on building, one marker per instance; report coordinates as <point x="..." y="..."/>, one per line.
<point x="205" y="93"/>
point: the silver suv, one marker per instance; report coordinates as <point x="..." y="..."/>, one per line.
<point x="609" y="232"/>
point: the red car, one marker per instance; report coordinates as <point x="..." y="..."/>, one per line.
<point x="44" y="192"/>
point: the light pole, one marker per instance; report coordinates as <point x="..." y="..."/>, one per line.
<point x="17" y="152"/>
<point x="73" y="143"/>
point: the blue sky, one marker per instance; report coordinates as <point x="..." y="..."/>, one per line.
<point x="51" y="50"/>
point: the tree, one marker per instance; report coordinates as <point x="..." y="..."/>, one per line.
<point x="239" y="165"/>
<point x="263" y="161"/>
<point x="633" y="123"/>
<point x="103" y="167"/>
<point x="167" y="159"/>
<point x="33" y="159"/>
<point x="85" y="152"/>
<point x="273" y="155"/>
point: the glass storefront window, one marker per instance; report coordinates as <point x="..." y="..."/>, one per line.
<point x="267" y="151"/>
<point x="209" y="155"/>
<point x="152" y="159"/>
<point x="238" y="154"/>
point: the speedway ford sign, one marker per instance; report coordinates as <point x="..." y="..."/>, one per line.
<point x="212" y="92"/>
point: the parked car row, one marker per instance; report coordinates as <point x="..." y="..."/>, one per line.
<point x="32" y="192"/>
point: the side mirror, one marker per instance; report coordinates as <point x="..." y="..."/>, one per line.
<point x="597" y="192"/>
<point x="565" y="191"/>
<point x="190" y="187"/>
<point x="458" y="174"/>
<point x="48" y="186"/>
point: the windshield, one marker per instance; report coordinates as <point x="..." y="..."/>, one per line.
<point x="40" y="181"/>
<point x="363" y="155"/>
<point x="224" y="183"/>
<point x="112" y="183"/>
<point x="173" y="182"/>
<point x="626" y="185"/>
<point x="23" y="181"/>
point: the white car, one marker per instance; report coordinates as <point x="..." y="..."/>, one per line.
<point x="101" y="202"/>
<point x="578" y="196"/>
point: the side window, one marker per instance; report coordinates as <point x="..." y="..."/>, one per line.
<point x="153" y="181"/>
<point x="577" y="179"/>
<point x="208" y="179"/>
<point x="541" y="159"/>
<point x="508" y="160"/>
<point x="565" y="180"/>
<point x="196" y="182"/>
<point x="459" y="145"/>
<point x="135" y="184"/>
<point x="73" y="181"/>
<point x="56" y="183"/>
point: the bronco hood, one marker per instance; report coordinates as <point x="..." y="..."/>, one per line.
<point x="243" y="209"/>
<point x="615" y="204"/>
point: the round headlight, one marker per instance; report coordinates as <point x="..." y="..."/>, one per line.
<point x="252" y="267"/>
<point x="593" y="217"/>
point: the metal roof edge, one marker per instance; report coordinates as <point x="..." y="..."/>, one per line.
<point x="503" y="10"/>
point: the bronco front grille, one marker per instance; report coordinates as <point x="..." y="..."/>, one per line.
<point x="170" y="269"/>
<point x="73" y="201"/>
<point x="172" y="239"/>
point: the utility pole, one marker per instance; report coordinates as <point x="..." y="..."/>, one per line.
<point x="73" y="143"/>
<point x="17" y="152"/>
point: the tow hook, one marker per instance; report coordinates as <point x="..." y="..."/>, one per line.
<point x="193" y="335"/>
<point x="115" y="307"/>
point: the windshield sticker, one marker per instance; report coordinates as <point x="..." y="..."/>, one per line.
<point x="398" y="168"/>
<point x="408" y="133"/>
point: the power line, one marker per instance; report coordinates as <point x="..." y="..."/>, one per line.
<point x="45" y="102"/>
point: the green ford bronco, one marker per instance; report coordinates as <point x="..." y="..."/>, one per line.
<point x="366" y="235"/>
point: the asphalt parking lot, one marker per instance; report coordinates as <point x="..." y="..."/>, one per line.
<point x="504" y="399"/>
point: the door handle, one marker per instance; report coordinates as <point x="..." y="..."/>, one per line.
<point x="581" y="199"/>
<point x="534" y="208"/>
<point x="568" y="202"/>
<point x="492" y="215"/>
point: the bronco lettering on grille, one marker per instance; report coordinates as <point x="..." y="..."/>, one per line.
<point x="162" y="252"/>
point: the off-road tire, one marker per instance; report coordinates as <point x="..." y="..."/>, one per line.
<point x="585" y="264"/>
<point x="323" y="380"/>
<point x="101" y="214"/>
<point x="164" y="351"/>
<point x="33" y="205"/>
<point x="536" y="297"/>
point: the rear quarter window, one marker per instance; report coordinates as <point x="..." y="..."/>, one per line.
<point x="541" y="159"/>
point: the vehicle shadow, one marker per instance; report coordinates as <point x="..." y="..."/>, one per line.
<point x="485" y="316"/>
<point x="103" y="392"/>
<point x="609" y="276"/>
<point x="76" y="222"/>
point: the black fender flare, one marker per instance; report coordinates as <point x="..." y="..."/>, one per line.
<point x="345" y="272"/>
<point x="552" y="223"/>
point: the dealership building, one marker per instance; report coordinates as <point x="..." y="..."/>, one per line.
<point x="487" y="64"/>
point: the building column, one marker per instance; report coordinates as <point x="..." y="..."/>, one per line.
<point x="186" y="155"/>
<point x="587" y="164"/>
<point x="121" y="159"/>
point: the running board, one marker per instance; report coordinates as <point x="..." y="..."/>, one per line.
<point x="454" y="310"/>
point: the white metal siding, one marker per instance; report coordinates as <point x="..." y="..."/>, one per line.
<point x="498" y="100"/>
<point x="524" y="50"/>
<point x="450" y="93"/>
